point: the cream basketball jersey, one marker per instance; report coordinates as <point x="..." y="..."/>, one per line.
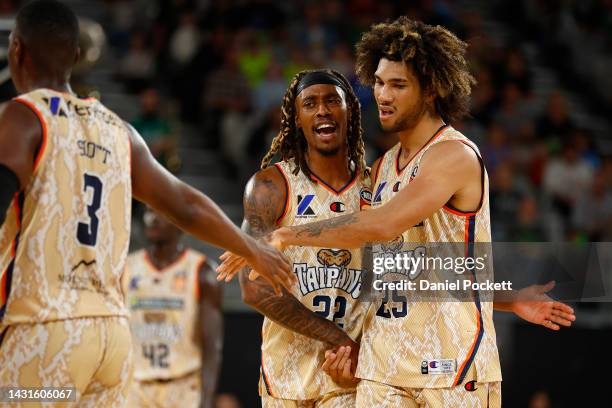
<point x="430" y="344"/>
<point x="65" y="240"/>
<point x="329" y="283"/>
<point x="163" y="315"/>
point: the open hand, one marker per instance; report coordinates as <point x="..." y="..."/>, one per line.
<point x="268" y="262"/>
<point x="535" y="306"/>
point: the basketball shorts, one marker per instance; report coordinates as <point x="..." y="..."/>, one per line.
<point x="93" y="355"/>
<point x="373" y="394"/>
<point x="331" y="400"/>
<point x="183" y="392"/>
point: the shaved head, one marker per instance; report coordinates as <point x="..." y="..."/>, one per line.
<point x="49" y="32"/>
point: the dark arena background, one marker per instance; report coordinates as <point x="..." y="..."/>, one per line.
<point x="203" y="81"/>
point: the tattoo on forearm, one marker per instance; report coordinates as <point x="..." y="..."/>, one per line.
<point x="293" y="315"/>
<point x="316" y="228"/>
<point x="261" y="212"/>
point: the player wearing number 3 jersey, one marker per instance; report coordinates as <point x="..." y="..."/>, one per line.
<point x="68" y="170"/>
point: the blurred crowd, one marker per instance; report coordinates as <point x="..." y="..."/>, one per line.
<point x="223" y="67"/>
<point x="227" y="65"/>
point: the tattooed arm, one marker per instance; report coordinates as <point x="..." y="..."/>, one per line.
<point x="264" y="200"/>
<point x="449" y="172"/>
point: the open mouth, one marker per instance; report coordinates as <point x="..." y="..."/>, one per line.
<point x="385" y="112"/>
<point x="325" y="129"/>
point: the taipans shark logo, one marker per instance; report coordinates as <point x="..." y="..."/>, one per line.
<point x="330" y="257"/>
<point x="333" y="272"/>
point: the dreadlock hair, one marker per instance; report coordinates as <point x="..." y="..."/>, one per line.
<point x="436" y="56"/>
<point x="291" y="142"/>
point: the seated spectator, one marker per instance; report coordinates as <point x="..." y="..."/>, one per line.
<point x="137" y="67"/>
<point x="496" y="149"/>
<point x="581" y="138"/>
<point x="226" y="90"/>
<point x="185" y="40"/>
<point x="593" y="215"/>
<point x="227" y="100"/>
<point x="483" y="97"/>
<point x="506" y="195"/>
<point x="516" y="71"/>
<point x="271" y="89"/>
<point x="566" y="179"/>
<point x="155" y="130"/>
<point x="555" y="125"/>
<point x="514" y="113"/>
<point x="254" y="58"/>
<point x="528" y="226"/>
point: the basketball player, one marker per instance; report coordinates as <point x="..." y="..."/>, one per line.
<point x="176" y="321"/>
<point x="430" y="187"/>
<point x="68" y="170"/>
<point x="321" y="175"/>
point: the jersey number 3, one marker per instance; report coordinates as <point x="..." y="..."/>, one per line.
<point x="87" y="233"/>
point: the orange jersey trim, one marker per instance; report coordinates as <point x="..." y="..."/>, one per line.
<point x="329" y="188"/>
<point x="288" y="192"/>
<point x="43" y="125"/>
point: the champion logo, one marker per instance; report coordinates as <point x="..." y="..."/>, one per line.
<point x="433" y="364"/>
<point x="337" y="206"/>
<point x="304" y="209"/>
<point x="377" y="196"/>
<point x="470" y="386"/>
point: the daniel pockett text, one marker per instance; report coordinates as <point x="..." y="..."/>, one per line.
<point x="419" y="271"/>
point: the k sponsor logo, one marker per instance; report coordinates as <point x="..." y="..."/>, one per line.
<point x="379" y="190"/>
<point x="304" y="210"/>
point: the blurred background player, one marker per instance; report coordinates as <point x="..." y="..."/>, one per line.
<point x="176" y="321"/>
<point x="68" y="170"/>
<point x="322" y="174"/>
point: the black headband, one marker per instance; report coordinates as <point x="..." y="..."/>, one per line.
<point x="319" y="77"/>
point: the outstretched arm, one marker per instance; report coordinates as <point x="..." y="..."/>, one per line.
<point x="197" y="214"/>
<point x="443" y="172"/>
<point x="211" y="325"/>
<point x="20" y="139"/>
<point x="264" y="200"/>
<point x="535" y="306"/>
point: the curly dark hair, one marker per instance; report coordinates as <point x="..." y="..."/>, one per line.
<point x="436" y="55"/>
<point x="290" y="141"/>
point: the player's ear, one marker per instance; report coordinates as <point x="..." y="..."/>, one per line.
<point x="17" y="48"/>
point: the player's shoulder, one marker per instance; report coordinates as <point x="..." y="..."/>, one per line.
<point x="453" y="155"/>
<point x="270" y="180"/>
